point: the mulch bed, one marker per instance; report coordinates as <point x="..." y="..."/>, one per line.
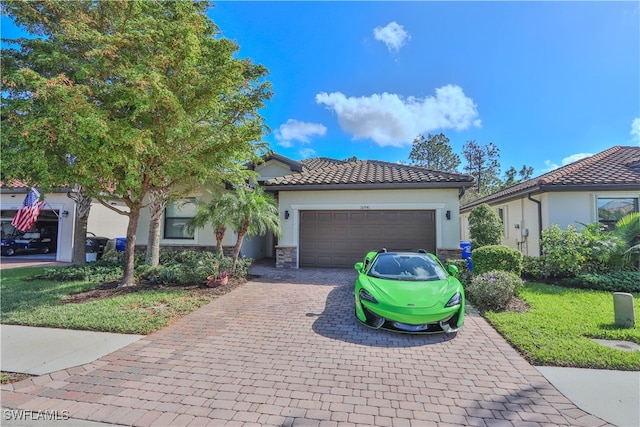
<point x="111" y="289"/>
<point x="11" y="377"/>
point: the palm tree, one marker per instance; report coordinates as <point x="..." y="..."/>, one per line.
<point x="628" y="228"/>
<point x="218" y="212"/>
<point x="257" y="214"/>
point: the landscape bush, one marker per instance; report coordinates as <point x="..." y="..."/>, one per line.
<point x="533" y="267"/>
<point x="95" y="272"/>
<point x="464" y="275"/>
<point x="620" y="281"/>
<point x="565" y="251"/>
<point x="493" y="290"/>
<point x="485" y="226"/>
<point x="497" y="257"/>
<point x="176" y="268"/>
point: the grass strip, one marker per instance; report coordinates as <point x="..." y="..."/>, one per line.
<point x="558" y="328"/>
<point x="39" y="303"/>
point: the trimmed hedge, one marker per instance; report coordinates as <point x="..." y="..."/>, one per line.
<point x="496" y="257"/>
<point x="620" y="281"/>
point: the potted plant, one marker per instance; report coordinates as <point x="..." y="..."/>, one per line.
<point x="219" y="279"/>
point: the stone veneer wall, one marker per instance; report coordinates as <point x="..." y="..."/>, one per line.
<point x="445" y="254"/>
<point x="286" y="256"/>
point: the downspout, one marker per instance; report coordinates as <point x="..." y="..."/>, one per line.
<point x="539" y="203"/>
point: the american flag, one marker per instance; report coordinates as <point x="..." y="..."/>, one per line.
<point x="28" y="213"/>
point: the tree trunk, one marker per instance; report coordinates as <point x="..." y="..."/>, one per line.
<point x="129" y="252"/>
<point x="83" y="208"/>
<point x="220" y="230"/>
<point x="158" y="201"/>
<point x="236" y="249"/>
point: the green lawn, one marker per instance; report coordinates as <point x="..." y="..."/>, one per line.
<point x="556" y="331"/>
<point x="38" y="303"/>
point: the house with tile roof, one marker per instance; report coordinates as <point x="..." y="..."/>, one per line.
<point x="332" y="212"/>
<point x="57" y="218"/>
<point x="601" y="188"/>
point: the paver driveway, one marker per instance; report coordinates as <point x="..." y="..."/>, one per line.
<point x="285" y="349"/>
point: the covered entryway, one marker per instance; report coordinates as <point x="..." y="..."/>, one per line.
<point x="341" y="238"/>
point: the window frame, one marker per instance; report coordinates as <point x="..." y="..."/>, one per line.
<point x="167" y="219"/>
<point x="610" y="224"/>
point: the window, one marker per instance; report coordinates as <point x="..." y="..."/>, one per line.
<point x="502" y="214"/>
<point x="610" y="210"/>
<point x="176" y="216"/>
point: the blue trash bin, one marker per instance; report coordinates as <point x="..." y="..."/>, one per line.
<point x="466" y="253"/>
<point x="121" y="242"/>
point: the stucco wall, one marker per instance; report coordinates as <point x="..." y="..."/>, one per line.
<point x="440" y="200"/>
<point x="202" y="237"/>
<point x="561" y="208"/>
<point x="107" y="223"/>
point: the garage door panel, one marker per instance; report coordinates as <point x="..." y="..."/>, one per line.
<point x="341" y="238"/>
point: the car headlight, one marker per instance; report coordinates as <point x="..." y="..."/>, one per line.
<point x="365" y="295"/>
<point x="454" y="300"/>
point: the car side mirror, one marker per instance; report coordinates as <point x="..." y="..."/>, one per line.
<point x="453" y="270"/>
<point x="358" y="266"/>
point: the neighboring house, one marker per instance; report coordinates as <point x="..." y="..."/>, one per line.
<point x="601" y="188"/>
<point x="57" y="219"/>
<point x="333" y="211"/>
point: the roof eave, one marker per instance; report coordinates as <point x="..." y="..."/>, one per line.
<point x="550" y="188"/>
<point x="367" y="186"/>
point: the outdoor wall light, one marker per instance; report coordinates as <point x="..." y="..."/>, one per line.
<point x="65" y="214"/>
<point x="448" y="214"/>
<point x="286" y="214"/>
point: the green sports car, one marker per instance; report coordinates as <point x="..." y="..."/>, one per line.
<point x="408" y="292"/>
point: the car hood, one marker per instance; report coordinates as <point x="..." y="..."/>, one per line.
<point x="402" y="293"/>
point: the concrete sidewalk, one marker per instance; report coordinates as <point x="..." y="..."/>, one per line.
<point x="39" y="351"/>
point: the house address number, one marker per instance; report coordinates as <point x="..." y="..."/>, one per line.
<point x="364" y="207"/>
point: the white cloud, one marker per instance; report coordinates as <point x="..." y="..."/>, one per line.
<point x="575" y="157"/>
<point x="565" y="161"/>
<point x="393" y="35"/>
<point x="390" y="120"/>
<point x="305" y="153"/>
<point x="635" y="129"/>
<point x="295" y="130"/>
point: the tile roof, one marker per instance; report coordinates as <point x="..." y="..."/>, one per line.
<point x="323" y="173"/>
<point x="617" y="168"/>
<point x="320" y="162"/>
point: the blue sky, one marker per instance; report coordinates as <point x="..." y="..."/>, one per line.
<point x="547" y="82"/>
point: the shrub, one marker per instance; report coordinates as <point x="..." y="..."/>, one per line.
<point x="606" y="249"/>
<point x="485" y="226"/>
<point x="464" y="275"/>
<point x="497" y="257"/>
<point x="493" y="290"/>
<point x="94" y="272"/>
<point x="621" y="281"/>
<point x="533" y="267"/>
<point x="565" y="251"/>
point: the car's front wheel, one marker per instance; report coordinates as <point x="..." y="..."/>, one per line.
<point x="9" y="252"/>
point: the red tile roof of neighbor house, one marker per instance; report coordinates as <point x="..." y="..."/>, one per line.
<point x="331" y="174"/>
<point x="617" y="168"/>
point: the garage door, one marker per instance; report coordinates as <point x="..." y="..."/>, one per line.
<point x="341" y="238"/>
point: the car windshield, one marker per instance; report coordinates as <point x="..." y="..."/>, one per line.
<point x="410" y="267"/>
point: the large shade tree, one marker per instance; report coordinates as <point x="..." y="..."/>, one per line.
<point x="128" y="99"/>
